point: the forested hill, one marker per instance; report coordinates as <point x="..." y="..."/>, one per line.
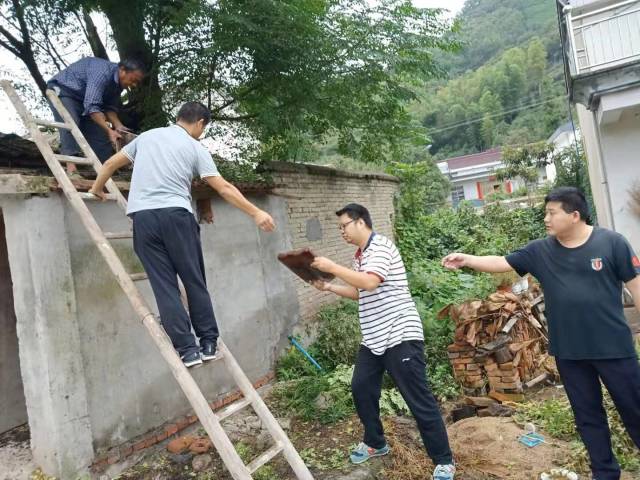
<point x="505" y="86"/>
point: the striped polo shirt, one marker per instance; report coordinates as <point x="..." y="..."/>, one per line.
<point x="388" y="315"/>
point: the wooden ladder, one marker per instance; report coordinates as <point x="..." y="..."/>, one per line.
<point x="210" y="420"/>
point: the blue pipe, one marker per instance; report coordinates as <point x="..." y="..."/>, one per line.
<point x="301" y="349"/>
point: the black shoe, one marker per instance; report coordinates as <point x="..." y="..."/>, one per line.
<point x="208" y="350"/>
<point x="191" y="359"/>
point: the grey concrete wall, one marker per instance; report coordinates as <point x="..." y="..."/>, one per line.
<point x="47" y="324"/>
<point x="13" y="410"/>
<point x="130" y="390"/>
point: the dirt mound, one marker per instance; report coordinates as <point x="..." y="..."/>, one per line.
<point x="490" y="445"/>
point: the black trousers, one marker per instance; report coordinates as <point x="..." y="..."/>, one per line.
<point x="405" y="363"/>
<point x="94" y="134"/>
<point x="167" y="240"/>
<point x="581" y="380"/>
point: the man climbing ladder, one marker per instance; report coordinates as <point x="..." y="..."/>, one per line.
<point x="166" y="235"/>
<point x="210" y="420"/>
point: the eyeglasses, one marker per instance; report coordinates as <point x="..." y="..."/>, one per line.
<point x="344" y="225"/>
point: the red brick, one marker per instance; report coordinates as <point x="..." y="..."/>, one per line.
<point x="161" y="437"/>
<point x="506" y="366"/>
<point x="192" y="419"/>
<point x="139" y="446"/>
<point x="182" y="423"/>
<point x="171" y="429"/>
<point x="126" y="451"/>
<point x="473" y="366"/>
<point x="150" y="441"/>
<point x="113" y="459"/>
<point x="100" y="464"/>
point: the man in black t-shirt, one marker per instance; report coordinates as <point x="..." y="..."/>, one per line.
<point x="582" y="270"/>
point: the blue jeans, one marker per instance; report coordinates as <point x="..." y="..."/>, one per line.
<point x="94" y="134"/>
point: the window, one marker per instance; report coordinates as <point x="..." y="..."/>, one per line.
<point x="457" y="194"/>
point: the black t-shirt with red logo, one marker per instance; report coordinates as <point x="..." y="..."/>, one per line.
<point x="583" y="293"/>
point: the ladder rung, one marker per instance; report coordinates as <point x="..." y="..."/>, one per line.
<point x="91" y="196"/>
<point x="138" y="276"/>
<point x="47" y="123"/>
<point x="118" y="235"/>
<point x="76" y="160"/>
<point x="265" y="457"/>
<point x="235" y="407"/>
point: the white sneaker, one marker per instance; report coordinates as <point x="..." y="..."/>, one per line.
<point x="444" y="472"/>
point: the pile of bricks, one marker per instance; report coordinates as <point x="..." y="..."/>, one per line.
<point x="501" y="342"/>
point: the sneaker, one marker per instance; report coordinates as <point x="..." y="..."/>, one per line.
<point x="191" y="359"/>
<point x="364" y="452"/>
<point x="208" y="351"/>
<point x="444" y="472"/>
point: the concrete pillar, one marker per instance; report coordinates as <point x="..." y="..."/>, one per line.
<point x="49" y="341"/>
<point x="14" y="411"/>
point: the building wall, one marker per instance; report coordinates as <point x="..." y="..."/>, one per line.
<point x="620" y="143"/>
<point x="93" y="378"/>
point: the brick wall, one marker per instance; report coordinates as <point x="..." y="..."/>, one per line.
<point x="313" y="195"/>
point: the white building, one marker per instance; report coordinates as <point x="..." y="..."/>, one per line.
<point x="601" y="39"/>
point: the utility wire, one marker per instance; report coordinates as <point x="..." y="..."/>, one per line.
<point x="499" y="114"/>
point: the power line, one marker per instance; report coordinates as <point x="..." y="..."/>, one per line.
<point x="499" y="114"/>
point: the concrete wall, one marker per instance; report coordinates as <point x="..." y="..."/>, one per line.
<point x="13" y="411"/>
<point x="92" y="377"/>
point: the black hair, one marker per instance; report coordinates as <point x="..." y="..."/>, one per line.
<point x="132" y="64"/>
<point x="191" y="112"/>
<point x="355" y="212"/>
<point x="572" y="200"/>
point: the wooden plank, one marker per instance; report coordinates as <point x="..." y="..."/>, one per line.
<point x="90" y="197"/>
<point x="265" y="457"/>
<point x="48" y="123"/>
<point x="118" y="235"/>
<point x="136" y="277"/>
<point x="235" y="407"/>
<point x="72" y="159"/>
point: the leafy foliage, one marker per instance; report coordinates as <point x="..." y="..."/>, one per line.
<point x="277" y="75"/>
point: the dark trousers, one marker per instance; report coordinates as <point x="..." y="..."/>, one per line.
<point x="95" y="135"/>
<point x="581" y="380"/>
<point x="167" y="240"/>
<point x="405" y="363"/>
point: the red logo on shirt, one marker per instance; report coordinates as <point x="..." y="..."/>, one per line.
<point x="596" y="264"/>
<point x="636" y="261"/>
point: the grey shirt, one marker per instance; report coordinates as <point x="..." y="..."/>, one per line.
<point x="165" y="161"/>
<point x="583" y="293"/>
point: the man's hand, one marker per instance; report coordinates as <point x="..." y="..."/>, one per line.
<point x="323" y="264"/>
<point x="454" y="261"/>
<point x="114" y="136"/>
<point x="264" y="221"/>
<point x="321" y="285"/>
<point x="97" y="192"/>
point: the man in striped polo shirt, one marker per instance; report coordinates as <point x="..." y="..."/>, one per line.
<point x="392" y="339"/>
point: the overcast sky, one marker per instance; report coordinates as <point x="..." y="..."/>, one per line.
<point x="13" y="68"/>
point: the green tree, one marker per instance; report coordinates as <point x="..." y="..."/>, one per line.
<point x="524" y="162"/>
<point x="285" y="73"/>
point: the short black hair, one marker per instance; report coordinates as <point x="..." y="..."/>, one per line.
<point x="132" y="64"/>
<point x="572" y="200"/>
<point x="191" y="112"/>
<point x="355" y="212"/>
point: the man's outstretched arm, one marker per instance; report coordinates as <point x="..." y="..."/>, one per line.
<point x="232" y="195"/>
<point x="489" y="263"/>
<point x="634" y="288"/>
<point x="115" y="162"/>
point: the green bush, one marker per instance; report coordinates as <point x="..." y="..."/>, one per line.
<point x="339" y="335"/>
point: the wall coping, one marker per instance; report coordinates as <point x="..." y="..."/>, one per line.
<point x="313" y="169"/>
